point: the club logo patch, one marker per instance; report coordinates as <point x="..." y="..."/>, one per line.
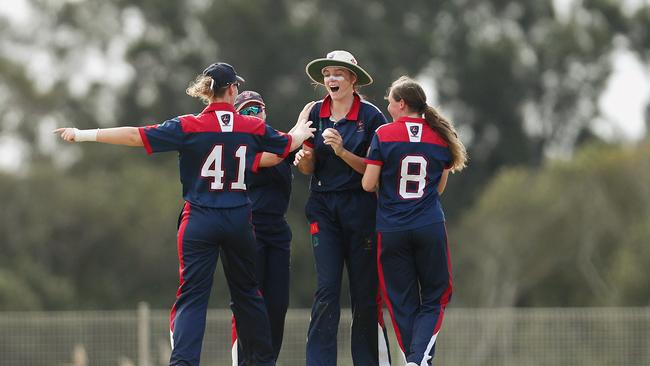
<point x="225" y="119"/>
<point x="414" y="131"/>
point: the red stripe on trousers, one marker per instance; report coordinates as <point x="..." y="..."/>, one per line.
<point x="444" y="300"/>
<point x="181" y="266"/>
<point x="382" y="284"/>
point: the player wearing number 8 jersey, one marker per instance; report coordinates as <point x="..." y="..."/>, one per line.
<point x="217" y="148"/>
<point x="408" y="162"/>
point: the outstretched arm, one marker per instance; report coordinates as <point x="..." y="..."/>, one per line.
<point x="127" y="136"/>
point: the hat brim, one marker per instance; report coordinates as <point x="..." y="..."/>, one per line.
<point x="247" y="103"/>
<point x="315" y="68"/>
<point x="240" y="79"/>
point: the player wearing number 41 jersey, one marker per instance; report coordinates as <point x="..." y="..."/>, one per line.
<point x="409" y="159"/>
<point x="217" y="149"/>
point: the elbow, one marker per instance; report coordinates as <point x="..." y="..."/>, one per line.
<point x="135" y="138"/>
<point x="368" y="186"/>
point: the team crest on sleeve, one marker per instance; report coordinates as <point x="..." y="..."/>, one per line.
<point x="225" y="120"/>
<point x="414" y="131"/>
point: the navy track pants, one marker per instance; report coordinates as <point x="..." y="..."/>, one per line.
<point x="203" y="234"/>
<point x="342" y="225"/>
<point x="415" y="275"/>
<point x="272" y="272"/>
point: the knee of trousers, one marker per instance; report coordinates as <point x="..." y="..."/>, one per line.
<point x="328" y="293"/>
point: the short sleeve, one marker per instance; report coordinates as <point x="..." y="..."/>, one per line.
<point x="377" y="121"/>
<point x="166" y="136"/>
<point x="314" y="117"/>
<point x="374" y="153"/>
<point x="276" y="142"/>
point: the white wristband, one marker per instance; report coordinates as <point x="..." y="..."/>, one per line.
<point x="85" y="135"/>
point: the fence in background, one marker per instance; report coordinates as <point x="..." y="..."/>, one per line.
<point x="469" y="337"/>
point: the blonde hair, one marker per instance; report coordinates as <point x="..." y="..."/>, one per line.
<point x="413" y="95"/>
<point x="201" y="88"/>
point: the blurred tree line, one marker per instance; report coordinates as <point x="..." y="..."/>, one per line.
<point x="536" y="219"/>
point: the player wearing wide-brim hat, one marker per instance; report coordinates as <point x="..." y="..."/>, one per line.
<point x="341" y="215"/>
<point x="338" y="58"/>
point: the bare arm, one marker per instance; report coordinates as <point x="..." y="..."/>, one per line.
<point x="305" y="160"/>
<point x="269" y="160"/>
<point x="127" y="136"/>
<point x="370" y="180"/>
<point x="443" y="181"/>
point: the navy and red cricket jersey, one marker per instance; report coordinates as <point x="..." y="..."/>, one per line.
<point x="342" y="226"/>
<point x="413" y="255"/>
<point x="413" y="158"/>
<point x="217" y="148"/>
<point x="330" y="172"/>
<point x="269" y="191"/>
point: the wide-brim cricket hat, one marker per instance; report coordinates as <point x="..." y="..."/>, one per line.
<point x="338" y="58"/>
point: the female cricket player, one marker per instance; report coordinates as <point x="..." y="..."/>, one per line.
<point x="341" y="215"/>
<point x="269" y="191"/>
<point x="217" y="149"/>
<point x="410" y="160"/>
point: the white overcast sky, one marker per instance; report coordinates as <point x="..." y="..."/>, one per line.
<point x="623" y="101"/>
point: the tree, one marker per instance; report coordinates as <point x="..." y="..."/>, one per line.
<point x="570" y="234"/>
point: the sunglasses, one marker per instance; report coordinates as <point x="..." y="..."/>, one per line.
<point x="254" y="109"/>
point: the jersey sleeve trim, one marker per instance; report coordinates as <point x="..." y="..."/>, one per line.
<point x="308" y="144"/>
<point x="373" y="162"/>
<point x="256" y="162"/>
<point x="287" y="149"/>
<point x="145" y="140"/>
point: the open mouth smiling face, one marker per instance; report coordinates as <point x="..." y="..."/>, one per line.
<point x="336" y="79"/>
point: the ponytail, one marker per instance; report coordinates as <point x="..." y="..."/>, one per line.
<point x="413" y="95"/>
<point x="201" y="88"/>
<point x="446" y="130"/>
